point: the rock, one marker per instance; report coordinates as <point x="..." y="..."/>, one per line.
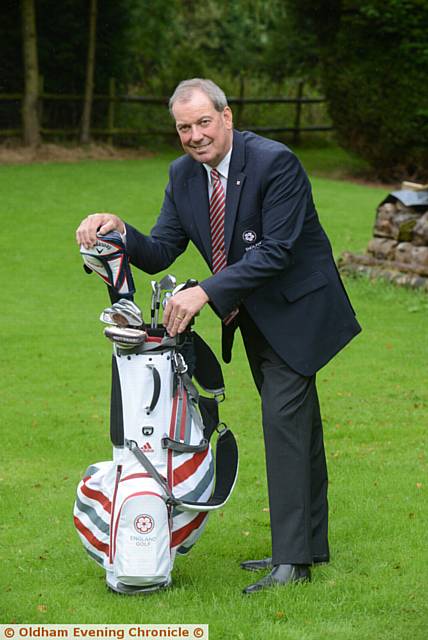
<point x="420" y="256"/>
<point x="403" y="252"/>
<point x="420" y="231"/>
<point x="382" y="248"/>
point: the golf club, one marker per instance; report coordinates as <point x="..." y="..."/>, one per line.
<point x="167" y="283"/>
<point x="153" y="303"/>
<point x="167" y="296"/>
<point x="123" y="313"/>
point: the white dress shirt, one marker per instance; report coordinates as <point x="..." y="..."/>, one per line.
<point x="223" y="170"/>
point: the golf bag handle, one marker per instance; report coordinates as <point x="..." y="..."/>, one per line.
<point x="156" y="388"/>
<point x="181" y="447"/>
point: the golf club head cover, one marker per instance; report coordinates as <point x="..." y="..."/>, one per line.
<point x="109" y="259"/>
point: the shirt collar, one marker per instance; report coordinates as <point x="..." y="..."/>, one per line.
<point x="222" y="167"/>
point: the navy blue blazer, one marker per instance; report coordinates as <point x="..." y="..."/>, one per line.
<point x="280" y="262"/>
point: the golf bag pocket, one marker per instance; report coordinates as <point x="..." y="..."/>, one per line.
<point x="92" y="510"/>
<point x="140" y="534"/>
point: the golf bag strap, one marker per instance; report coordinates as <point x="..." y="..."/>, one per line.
<point x="151" y="470"/>
<point x="226" y="473"/>
<point x="210" y="416"/>
<point x="207" y="371"/>
<point x="156" y="387"/>
<point x="189" y="386"/>
<point x="181" y="447"/>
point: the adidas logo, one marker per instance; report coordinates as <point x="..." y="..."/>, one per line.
<point x="147" y="448"/>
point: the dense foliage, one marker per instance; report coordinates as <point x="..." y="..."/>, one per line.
<point x="62" y="44"/>
<point x="371" y="57"/>
<point x="375" y="62"/>
<point x="148" y="47"/>
<point x="146" y="43"/>
<point x="171" y="40"/>
<point x="62" y="33"/>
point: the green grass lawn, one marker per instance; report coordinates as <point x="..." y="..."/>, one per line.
<point x="54" y="416"/>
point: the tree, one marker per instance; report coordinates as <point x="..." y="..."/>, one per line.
<point x="374" y="57"/>
<point x="90" y="66"/>
<point x="173" y="40"/>
<point x="30" y="117"/>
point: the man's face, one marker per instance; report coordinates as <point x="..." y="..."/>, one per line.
<point x="205" y="134"/>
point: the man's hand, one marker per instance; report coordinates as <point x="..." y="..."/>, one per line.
<point x="103" y="223"/>
<point x="182" y="307"/>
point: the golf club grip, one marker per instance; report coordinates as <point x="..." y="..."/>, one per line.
<point x="156" y="388"/>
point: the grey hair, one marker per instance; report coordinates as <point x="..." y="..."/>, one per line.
<point x="183" y="93"/>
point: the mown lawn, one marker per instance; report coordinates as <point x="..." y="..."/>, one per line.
<point x="54" y="416"/>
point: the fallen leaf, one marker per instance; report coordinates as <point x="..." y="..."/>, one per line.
<point x="280" y="615"/>
<point x="42" y="608"/>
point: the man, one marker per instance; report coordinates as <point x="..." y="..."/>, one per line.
<point x="246" y="203"/>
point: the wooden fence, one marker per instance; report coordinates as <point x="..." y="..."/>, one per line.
<point x="112" y="99"/>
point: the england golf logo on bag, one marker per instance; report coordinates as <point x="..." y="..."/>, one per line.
<point x="136" y="512"/>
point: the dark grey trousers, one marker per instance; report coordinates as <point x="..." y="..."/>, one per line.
<point x="295" y="458"/>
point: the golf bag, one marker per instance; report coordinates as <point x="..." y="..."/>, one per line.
<point x="136" y="512"/>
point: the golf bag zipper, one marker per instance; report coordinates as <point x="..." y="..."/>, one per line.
<point x="113" y="504"/>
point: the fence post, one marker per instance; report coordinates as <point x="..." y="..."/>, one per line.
<point x="297" y="118"/>
<point x="111" y="108"/>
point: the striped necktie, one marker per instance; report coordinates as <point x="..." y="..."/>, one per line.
<point x="217" y="210"/>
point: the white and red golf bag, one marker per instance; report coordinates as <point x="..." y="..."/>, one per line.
<point x="135" y="512"/>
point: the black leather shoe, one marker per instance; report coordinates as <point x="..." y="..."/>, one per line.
<point x="281" y="575"/>
<point x="266" y="563"/>
<point x="257" y="565"/>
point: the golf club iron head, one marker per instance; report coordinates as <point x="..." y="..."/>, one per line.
<point x="125" y="337"/>
<point x="167" y="296"/>
<point x="167" y="283"/>
<point x="123" y="313"/>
